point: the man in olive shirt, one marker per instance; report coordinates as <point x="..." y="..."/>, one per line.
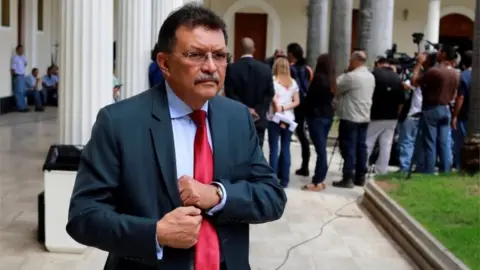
<point x="439" y="85"/>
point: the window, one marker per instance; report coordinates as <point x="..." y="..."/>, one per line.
<point x="40" y="15"/>
<point x="5" y="13"/>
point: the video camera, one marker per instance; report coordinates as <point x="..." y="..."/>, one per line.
<point x="403" y="62"/>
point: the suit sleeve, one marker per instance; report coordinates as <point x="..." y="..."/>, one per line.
<point x="229" y="89"/>
<point x="93" y="220"/>
<point x="264" y="104"/>
<point x="258" y="198"/>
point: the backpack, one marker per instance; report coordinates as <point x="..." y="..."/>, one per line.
<point x="301" y="75"/>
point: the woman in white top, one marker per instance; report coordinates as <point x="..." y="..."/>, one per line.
<point x="286" y="98"/>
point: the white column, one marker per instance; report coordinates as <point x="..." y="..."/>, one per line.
<point x="29" y="14"/>
<point x="160" y="11"/>
<point x="55" y="30"/>
<point x="86" y="60"/>
<point x="317" y="32"/>
<point x="134" y="45"/>
<point x="381" y="37"/>
<point x="341" y="33"/>
<point x="433" y="21"/>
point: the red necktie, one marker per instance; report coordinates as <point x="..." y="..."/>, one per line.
<point x="207" y="250"/>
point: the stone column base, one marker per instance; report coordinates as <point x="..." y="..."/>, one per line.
<point x="471" y="155"/>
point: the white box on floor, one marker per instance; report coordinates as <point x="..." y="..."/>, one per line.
<point x="58" y="190"/>
<point x="60" y="171"/>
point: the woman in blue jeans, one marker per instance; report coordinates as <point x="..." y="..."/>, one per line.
<point x="319" y="114"/>
<point x="286" y="98"/>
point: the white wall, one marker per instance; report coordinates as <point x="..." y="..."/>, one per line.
<point x="9" y="41"/>
<point x="44" y="39"/>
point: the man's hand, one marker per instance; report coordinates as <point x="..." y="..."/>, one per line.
<point x="194" y="193"/>
<point x="454" y="123"/>
<point x="421" y="58"/>
<point x="254" y="114"/>
<point x="179" y="228"/>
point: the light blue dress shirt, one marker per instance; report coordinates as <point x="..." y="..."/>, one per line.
<point x="30" y="82"/>
<point x="18" y="64"/>
<point x="184" y="130"/>
<point x="50" y="80"/>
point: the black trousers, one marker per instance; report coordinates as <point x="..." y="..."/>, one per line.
<point x="299" y="112"/>
<point x="353" y="148"/>
<point x="260" y="135"/>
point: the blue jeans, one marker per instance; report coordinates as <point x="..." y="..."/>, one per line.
<point x="353" y="147"/>
<point x="435" y="127"/>
<point x="280" y="163"/>
<point x="459" y="136"/>
<point x="407" y="142"/>
<point x="319" y="128"/>
<point x="19" y="92"/>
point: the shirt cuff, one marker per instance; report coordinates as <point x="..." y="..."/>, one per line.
<point x="219" y="206"/>
<point x="159" y="249"/>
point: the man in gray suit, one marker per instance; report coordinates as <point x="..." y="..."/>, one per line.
<point x="354" y="100"/>
<point x="172" y="178"/>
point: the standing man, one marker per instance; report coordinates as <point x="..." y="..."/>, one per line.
<point x="354" y="94"/>
<point x="387" y="103"/>
<point x="17" y="67"/>
<point x="462" y="107"/>
<point x="250" y="82"/>
<point x="172" y="178"/>
<point x="439" y="85"/>
<point x="271" y="60"/>
<point x="409" y="143"/>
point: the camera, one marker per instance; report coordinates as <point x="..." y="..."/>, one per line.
<point x="402" y="61"/>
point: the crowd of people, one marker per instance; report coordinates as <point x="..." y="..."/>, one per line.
<point x="419" y="119"/>
<point x="42" y="90"/>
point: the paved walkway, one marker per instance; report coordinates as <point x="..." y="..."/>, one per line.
<point x="346" y="243"/>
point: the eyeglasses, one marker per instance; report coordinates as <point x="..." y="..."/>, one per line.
<point x="199" y="58"/>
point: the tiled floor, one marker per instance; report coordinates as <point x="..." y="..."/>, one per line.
<point x="346" y="243"/>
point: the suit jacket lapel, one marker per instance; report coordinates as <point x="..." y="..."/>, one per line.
<point x="162" y="138"/>
<point x="219" y="133"/>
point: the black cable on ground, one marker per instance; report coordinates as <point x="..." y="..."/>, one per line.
<point x="336" y="216"/>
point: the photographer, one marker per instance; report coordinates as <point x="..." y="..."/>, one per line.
<point x="408" y="124"/>
<point x="439" y="85"/>
<point x="387" y="102"/>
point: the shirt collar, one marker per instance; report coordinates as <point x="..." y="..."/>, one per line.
<point x="246" y="56"/>
<point x="177" y="107"/>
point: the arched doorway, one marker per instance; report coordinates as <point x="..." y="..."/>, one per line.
<point x="234" y="14"/>
<point x="457" y="29"/>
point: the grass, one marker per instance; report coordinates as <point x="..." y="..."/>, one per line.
<point x="448" y="206"/>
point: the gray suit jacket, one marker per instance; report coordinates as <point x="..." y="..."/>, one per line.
<point x="127" y="181"/>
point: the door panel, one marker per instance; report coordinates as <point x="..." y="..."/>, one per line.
<point x="254" y="26"/>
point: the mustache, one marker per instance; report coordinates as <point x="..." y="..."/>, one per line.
<point x="207" y="77"/>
